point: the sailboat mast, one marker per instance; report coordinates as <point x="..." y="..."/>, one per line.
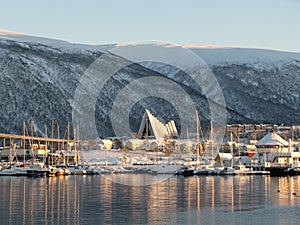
<point x="24" y="144"/>
<point x="188" y="139"/>
<point x="68" y="136"/>
<point x="46" y="143"/>
<point x="75" y="134"/>
<point x="231" y="148"/>
<point x="58" y="136"/>
<point x="78" y="139"/>
<point x="198" y="141"/>
<point x="31" y="132"/>
<point x="52" y="135"/>
<point x="10" y="153"/>
<point x="212" y="139"/>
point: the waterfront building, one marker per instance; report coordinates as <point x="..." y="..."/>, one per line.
<point x="273" y="150"/>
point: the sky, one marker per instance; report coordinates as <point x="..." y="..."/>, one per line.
<point x="268" y="24"/>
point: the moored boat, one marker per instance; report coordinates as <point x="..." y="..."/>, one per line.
<point x="62" y="170"/>
<point x="77" y="170"/>
<point x="283" y="171"/>
<point x="186" y="171"/>
<point x="241" y="170"/>
<point x="36" y="169"/>
<point x="227" y="171"/>
<point x="205" y="170"/>
<point x="13" y="170"/>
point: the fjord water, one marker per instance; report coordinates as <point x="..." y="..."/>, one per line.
<point x="177" y="200"/>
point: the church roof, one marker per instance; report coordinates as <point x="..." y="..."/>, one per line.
<point x="156" y="127"/>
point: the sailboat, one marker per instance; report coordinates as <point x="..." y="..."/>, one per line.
<point x="13" y="168"/>
<point x="206" y="166"/>
<point x="228" y="170"/>
<point x="189" y="170"/>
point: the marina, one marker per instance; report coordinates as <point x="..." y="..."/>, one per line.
<point x="157" y="149"/>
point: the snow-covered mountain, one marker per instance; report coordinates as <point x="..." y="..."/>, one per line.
<point x="39" y="76"/>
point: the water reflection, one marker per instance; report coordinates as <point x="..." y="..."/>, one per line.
<point x="190" y="200"/>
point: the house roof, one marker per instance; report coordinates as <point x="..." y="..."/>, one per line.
<point x="224" y="156"/>
<point x="272" y="139"/>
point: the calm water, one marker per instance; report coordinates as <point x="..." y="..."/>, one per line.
<point x="178" y="200"/>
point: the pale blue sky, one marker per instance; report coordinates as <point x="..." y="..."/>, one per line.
<point x="271" y="24"/>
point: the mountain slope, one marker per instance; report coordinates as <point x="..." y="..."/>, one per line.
<point x="38" y="78"/>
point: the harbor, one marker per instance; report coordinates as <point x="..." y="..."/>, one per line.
<point x="247" y="149"/>
<point x="34" y="156"/>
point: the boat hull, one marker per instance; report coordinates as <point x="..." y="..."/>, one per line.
<point x="283" y="171"/>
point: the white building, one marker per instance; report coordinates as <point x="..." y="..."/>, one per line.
<point x="152" y="128"/>
<point x="223" y="159"/>
<point x="275" y="151"/>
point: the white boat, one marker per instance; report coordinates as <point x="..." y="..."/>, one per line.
<point x="89" y="170"/>
<point x="51" y="172"/>
<point x="165" y="169"/>
<point x="37" y="169"/>
<point x="228" y="170"/>
<point x="62" y="170"/>
<point x="208" y="169"/>
<point x="77" y="170"/>
<point x="13" y="170"/>
<point x="241" y="170"/>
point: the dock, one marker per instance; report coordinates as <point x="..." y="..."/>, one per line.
<point x="32" y="138"/>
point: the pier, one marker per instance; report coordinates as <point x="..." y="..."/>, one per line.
<point x="37" y="143"/>
<point x="25" y="147"/>
<point x="13" y="137"/>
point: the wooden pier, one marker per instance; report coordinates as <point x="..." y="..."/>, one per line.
<point x="32" y="138"/>
<point x="53" y="143"/>
<point x="25" y="147"/>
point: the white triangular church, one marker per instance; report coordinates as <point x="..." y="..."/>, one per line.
<point x="152" y="128"/>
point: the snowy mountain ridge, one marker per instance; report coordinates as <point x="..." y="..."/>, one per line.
<point x="211" y="54"/>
